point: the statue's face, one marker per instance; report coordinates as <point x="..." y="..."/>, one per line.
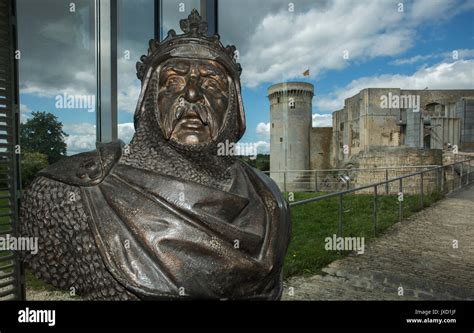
<point x="192" y="99"/>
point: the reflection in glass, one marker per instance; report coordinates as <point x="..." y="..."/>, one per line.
<point x="173" y="11"/>
<point x="56" y="66"/>
<point x="135" y="28"/>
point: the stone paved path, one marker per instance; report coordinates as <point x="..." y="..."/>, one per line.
<point x="416" y="254"/>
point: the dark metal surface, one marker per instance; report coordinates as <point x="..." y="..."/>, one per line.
<point x="11" y="269"/>
<point x="168" y="216"/>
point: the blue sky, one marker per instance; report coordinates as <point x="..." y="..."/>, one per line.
<point x="387" y="48"/>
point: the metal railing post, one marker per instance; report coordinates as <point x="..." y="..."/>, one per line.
<point x="386" y="179"/>
<point x="421" y="190"/>
<point x="284" y="181"/>
<point x="316" y="181"/>
<point x="374" y="215"/>
<point x="442" y="179"/>
<point x="400" y="200"/>
<point x="438" y="180"/>
<point x="348" y="184"/>
<point x="460" y="180"/>
<point x="468" y="172"/>
<point x="452" y="176"/>
<point x="341" y="211"/>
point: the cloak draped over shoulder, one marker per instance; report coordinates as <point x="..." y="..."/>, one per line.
<point x="164" y="237"/>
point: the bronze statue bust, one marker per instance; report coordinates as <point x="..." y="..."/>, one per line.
<point x="167" y="216"/>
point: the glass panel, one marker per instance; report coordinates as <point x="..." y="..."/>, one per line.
<point x="172" y="11"/>
<point x="241" y="24"/>
<point x="57" y="66"/>
<point x="135" y="29"/>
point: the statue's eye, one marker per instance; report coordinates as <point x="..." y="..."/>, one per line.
<point x="174" y="81"/>
<point x="210" y="84"/>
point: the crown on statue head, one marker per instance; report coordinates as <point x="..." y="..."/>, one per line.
<point x="193" y="43"/>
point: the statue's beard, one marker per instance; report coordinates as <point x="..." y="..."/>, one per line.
<point x="180" y="108"/>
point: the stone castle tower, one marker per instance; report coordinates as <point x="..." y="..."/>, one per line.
<point x="290" y="127"/>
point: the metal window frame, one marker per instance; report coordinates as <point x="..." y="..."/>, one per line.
<point x="106" y="59"/>
<point x="106" y="69"/>
<point x="209" y="12"/>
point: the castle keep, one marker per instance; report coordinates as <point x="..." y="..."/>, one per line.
<point x="378" y="127"/>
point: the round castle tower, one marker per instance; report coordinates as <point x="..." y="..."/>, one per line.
<point x="290" y="127"/>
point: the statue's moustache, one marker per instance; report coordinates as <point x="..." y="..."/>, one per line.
<point x="181" y="107"/>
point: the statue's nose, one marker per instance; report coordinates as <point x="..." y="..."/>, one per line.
<point x="193" y="91"/>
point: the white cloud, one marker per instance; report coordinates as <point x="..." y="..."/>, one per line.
<point x="454" y="75"/>
<point x="83" y="84"/>
<point x="79" y="143"/>
<point x="455" y="54"/>
<point x="25" y="113"/>
<point x="263" y="147"/>
<point x="263" y="129"/>
<point x="126" y="131"/>
<point x="128" y="85"/>
<point x="460" y="53"/>
<point x="82" y="136"/>
<point x="411" y="60"/>
<point x="439" y="9"/>
<point x="322" y="120"/>
<point x="285" y="44"/>
<point x="80" y="128"/>
<point x="24" y="108"/>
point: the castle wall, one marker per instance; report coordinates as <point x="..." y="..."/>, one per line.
<point x="366" y="133"/>
<point x="364" y="123"/>
<point x="465" y="112"/>
<point x="321" y="148"/>
<point x="390" y="157"/>
<point x="337" y="146"/>
<point x="382" y="124"/>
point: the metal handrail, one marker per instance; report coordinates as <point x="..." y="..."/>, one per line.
<point x="356" y="169"/>
<point x="440" y="184"/>
<point x="322" y="197"/>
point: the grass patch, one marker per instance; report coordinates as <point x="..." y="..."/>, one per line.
<point x="313" y="222"/>
<point x="36" y="284"/>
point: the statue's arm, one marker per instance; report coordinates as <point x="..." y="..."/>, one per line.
<point x="67" y="256"/>
<point x="52" y="212"/>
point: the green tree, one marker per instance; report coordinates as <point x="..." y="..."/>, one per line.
<point x="30" y="164"/>
<point x="263" y="162"/>
<point x="44" y="134"/>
